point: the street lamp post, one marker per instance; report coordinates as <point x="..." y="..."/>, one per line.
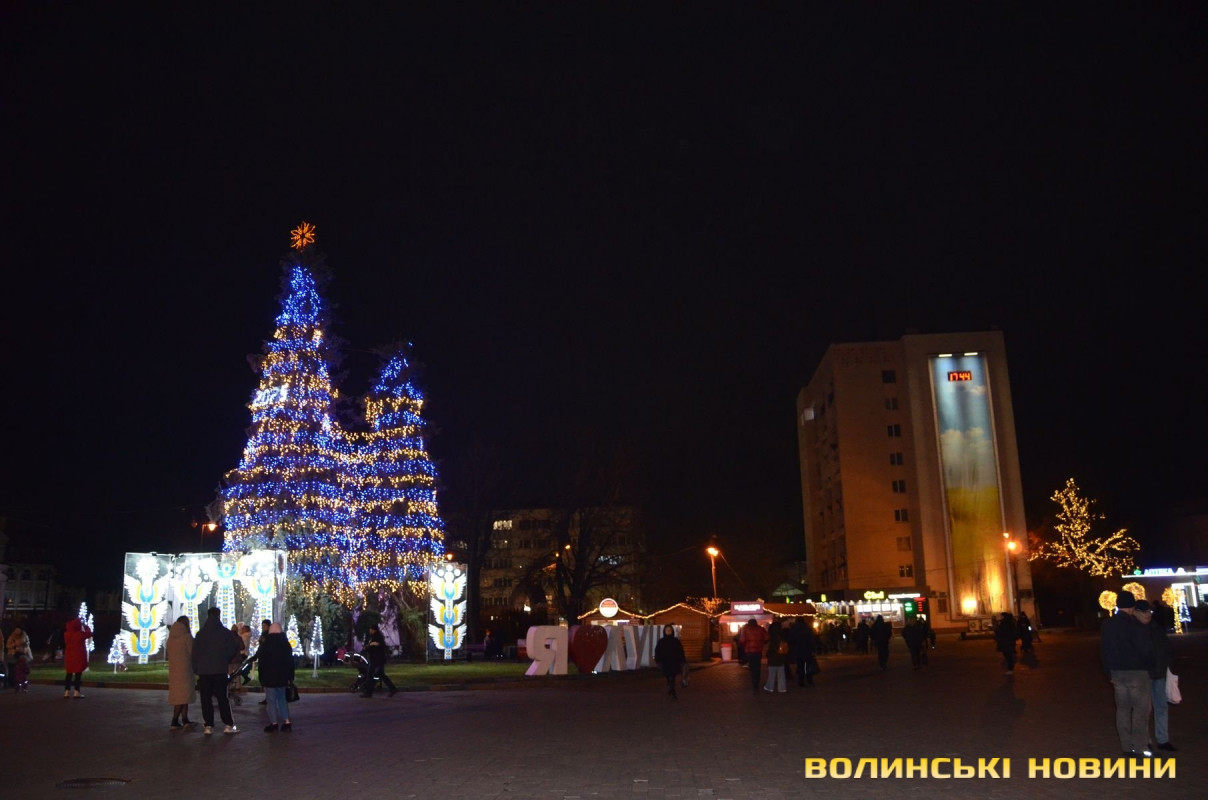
<point x="713" y="554"/>
<point x="1009" y="546"/>
<point x="202" y="529"/>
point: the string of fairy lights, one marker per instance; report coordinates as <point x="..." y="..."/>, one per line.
<point x="355" y="507"/>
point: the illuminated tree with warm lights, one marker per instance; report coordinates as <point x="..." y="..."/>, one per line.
<point x="1076" y="546"/>
<point x="290" y="488"/>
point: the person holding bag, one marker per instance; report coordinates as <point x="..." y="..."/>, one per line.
<point x="1143" y="611"/>
<point x="276" y="659"/>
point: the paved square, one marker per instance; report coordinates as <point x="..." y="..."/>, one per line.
<point x="620" y="736"/>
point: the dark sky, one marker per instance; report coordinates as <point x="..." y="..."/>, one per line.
<point x="643" y="219"/>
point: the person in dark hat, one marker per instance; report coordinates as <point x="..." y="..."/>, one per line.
<point x="1144" y="613"/>
<point x="1126" y="648"/>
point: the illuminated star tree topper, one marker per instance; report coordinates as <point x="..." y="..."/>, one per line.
<point x="302" y="236"/>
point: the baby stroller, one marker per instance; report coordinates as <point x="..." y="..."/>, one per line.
<point x="234" y="681"/>
<point x="364" y="672"/>
<point x="20" y="677"/>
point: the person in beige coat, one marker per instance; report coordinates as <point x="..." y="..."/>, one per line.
<point x="181" y="680"/>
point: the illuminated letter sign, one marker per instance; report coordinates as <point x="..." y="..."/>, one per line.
<point x="871" y="595"/>
<point x="746" y="608"/>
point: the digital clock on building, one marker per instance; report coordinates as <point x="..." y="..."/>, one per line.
<point x="960" y="375"/>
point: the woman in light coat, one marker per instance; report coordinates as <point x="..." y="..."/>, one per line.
<point x="181" y="680"/>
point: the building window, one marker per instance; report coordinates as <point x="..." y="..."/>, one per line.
<point x="891" y="404"/>
<point x="901" y="515"/>
<point x="906" y="571"/>
<point x="524" y="544"/>
<point x="899" y="487"/>
<point x="941" y="605"/>
<point x="896" y="460"/>
<point x="894" y="430"/>
<point x="904" y="543"/>
<point x="888" y="376"/>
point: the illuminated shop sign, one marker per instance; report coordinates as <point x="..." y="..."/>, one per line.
<point x="746" y="608"/>
<point x="1164" y="571"/>
<point x="870" y="595"/>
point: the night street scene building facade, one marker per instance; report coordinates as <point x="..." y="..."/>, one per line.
<point x="910" y="481"/>
<point x="519" y="572"/>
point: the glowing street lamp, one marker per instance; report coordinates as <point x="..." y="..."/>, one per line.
<point x="713" y="554"/>
<point x="1010" y="545"/>
<point x="202" y="529"/>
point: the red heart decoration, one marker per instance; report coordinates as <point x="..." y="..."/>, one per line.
<point x="587" y="644"/>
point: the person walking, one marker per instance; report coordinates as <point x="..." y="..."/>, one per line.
<point x="861" y="637"/>
<point x="276" y="670"/>
<point x="669" y="655"/>
<point x="376" y="654"/>
<point x="915" y="637"/>
<point x="1025" y="633"/>
<point x="1126" y="649"/>
<point x="181" y="680"/>
<point x="753" y="639"/>
<point x="1157" y="675"/>
<point x="21" y="657"/>
<point x="802" y="643"/>
<point x="1004" y="637"/>
<point x="213" y="650"/>
<point x="75" y="656"/>
<point x="778" y="653"/>
<point x="880" y="633"/>
<point x="265" y="624"/>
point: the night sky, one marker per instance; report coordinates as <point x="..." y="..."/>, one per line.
<point x="642" y="221"/>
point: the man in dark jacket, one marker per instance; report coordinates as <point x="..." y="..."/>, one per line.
<point x="801" y="639"/>
<point x="669" y="655"/>
<point x="213" y="650"/>
<point x="375" y="654"/>
<point x="915" y="638"/>
<point x="1157" y="674"/>
<point x="880" y="633"/>
<point x="1127" y="651"/>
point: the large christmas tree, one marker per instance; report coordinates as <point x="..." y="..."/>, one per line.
<point x="356" y="509"/>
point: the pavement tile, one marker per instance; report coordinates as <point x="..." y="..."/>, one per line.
<point x="619" y="736"/>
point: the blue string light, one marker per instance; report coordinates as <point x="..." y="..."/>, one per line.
<point x="355" y="508"/>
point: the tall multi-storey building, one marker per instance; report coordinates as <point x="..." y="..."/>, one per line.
<point x="910" y="479"/>
<point x="525" y="542"/>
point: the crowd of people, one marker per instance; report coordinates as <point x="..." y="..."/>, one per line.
<point x="210" y="666"/>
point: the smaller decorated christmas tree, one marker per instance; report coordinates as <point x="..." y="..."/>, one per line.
<point x="291" y="633"/>
<point x="86" y="618"/>
<point x="117" y="656"/>
<point x="316" y="637"/>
